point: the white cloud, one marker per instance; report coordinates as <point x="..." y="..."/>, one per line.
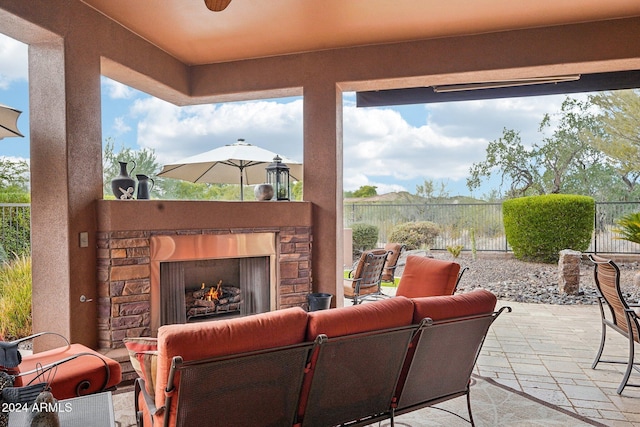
<point x="177" y="132"/>
<point x="379" y="142"/>
<point x="120" y="126"/>
<point x="380" y="147"/>
<point x="116" y="90"/>
<point x="13" y="61"/>
<point x="490" y="117"/>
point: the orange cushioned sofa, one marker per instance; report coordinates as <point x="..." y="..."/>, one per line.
<point x="355" y="364"/>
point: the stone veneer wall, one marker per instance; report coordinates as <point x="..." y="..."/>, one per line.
<point x="124" y="277"/>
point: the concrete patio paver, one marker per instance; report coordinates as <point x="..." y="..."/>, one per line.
<point x="547" y="350"/>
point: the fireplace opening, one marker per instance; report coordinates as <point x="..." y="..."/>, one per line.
<point x="207" y="289"/>
<point x="181" y="264"/>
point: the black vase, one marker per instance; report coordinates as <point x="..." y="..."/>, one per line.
<point x="123" y="186"/>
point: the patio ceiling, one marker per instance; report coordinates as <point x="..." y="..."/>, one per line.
<point x="187" y="30"/>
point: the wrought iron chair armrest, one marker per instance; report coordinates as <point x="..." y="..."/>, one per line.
<point x="460" y="274"/>
<point x="140" y="388"/>
<point x="353" y="267"/>
<point x="30" y="337"/>
<point x="41" y="370"/>
<point x="10" y="356"/>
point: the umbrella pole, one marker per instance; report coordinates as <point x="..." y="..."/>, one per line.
<point x="241" y="187"/>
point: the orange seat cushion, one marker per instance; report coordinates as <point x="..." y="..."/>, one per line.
<point x="350" y="292"/>
<point x="337" y="322"/>
<point x="197" y="341"/>
<point x="69" y="376"/>
<point x="394" y="250"/>
<point x="425" y="277"/>
<point x="476" y="302"/>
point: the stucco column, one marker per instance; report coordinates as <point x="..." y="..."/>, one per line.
<point x="66" y="178"/>
<point x="323" y="171"/>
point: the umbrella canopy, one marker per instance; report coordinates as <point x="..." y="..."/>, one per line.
<point x="9" y="122"/>
<point x="231" y="164"/>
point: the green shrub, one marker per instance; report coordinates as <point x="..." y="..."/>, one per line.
<point x="539" y="227"/>
<point x="365" y="237"/>
<point x="15" y="298"/>
<point x="15" y="197"/>
<point x="415" y="235"/>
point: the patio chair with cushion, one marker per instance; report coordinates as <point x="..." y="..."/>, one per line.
<point x="395" y="250"/>
<point x="622" y="317"/>
<point x="364" y="280"/>
<point x="71" y="370"/>
<point x="426" y="277"/>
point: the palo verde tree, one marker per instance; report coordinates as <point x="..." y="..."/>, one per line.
<point x="517" y="165"/>
<point x="428" y="190"/>
<point x="14" y="176"/>
<point x="618" y="115"/>
<point x="566" y="161"/>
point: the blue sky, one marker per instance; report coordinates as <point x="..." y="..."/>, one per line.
<point x="393" y="148"/>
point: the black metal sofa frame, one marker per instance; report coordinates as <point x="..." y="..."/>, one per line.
<point x="344" y="381"/>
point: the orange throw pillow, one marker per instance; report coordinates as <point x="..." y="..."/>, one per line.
<point x="143" y="354"/>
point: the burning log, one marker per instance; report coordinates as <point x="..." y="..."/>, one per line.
<point x="203" y="292"/>
<point x="213" y="299"/>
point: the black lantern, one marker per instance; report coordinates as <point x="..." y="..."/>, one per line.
<point x="278" y="177"/>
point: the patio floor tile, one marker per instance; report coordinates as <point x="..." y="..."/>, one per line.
<point x="547" y="351"/>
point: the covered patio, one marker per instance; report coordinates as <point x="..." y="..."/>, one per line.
<point x="181" y="52"/>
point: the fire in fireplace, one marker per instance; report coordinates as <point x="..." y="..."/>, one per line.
<point x="212" y="301"/>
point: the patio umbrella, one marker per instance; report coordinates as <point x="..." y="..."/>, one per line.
<point x="239" y="162"/>
<point x="9" y="122"/>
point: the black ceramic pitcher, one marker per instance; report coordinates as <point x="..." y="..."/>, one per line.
<point x="143" y="186"/>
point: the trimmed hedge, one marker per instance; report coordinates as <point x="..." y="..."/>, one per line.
<point x="539" y="227"/>
<point x="415" y="235"/>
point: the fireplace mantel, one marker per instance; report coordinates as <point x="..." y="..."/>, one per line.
<point x="125" y="228"/>
<point x="123" y="215"/>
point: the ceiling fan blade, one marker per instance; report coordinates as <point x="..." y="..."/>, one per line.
<point x="217" y="5"/>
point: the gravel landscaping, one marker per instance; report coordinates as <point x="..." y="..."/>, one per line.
<point x="513" y="280"/>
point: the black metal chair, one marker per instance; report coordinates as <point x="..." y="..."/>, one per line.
<point x="622" y="317"/>
<point x="365" y="279"/>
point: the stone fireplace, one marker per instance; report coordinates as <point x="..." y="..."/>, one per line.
<point x="135" y="245"/>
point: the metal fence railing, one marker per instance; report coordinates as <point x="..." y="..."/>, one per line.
<point x="460" y="223"/>
<point x="15" y="228"/>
